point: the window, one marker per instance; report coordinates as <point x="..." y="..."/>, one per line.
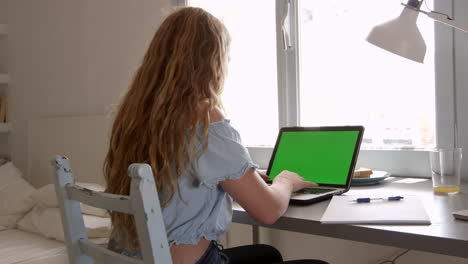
<point x="323" y="72"/>
<point x="250" y="94"/>
<point x="345" y="80"/>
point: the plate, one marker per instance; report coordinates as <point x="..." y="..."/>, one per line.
<point x="375" y="178"/>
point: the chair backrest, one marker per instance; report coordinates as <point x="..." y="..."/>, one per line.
<point x="142" y="203"/>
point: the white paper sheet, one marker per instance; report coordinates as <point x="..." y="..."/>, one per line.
<point x="342" y="210"/>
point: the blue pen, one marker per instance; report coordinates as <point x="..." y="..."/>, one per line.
<point x="368" y="199"/>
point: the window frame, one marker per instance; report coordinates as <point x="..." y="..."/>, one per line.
<point x="400" y="162"/>
<point x="180" y="2"/>
<point x="404" y="162"/>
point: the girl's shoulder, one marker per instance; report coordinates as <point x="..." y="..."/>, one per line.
<point x="216" y="115"/>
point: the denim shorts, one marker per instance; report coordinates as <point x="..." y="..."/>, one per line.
<point x="212" y="255"/>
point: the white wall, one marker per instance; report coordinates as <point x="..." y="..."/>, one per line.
<point x="77" y="57"/>
<point x="73" y="57"/>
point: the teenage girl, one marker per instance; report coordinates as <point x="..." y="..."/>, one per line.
<point x="172" y="119"/>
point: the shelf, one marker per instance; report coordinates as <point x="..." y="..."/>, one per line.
<point x="4" y="78"/>
<point x="5" y="127"/>
<point x="3" y="29"/>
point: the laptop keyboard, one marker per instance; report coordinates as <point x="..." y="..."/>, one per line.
<point x="313" y="191"/>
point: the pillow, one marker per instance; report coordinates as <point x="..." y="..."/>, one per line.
<point x="26" y="223"/>
<point x="3" y="161"/>
<point x="48" y="223"/>
<point x="14" y="195"/>
<point x="97" y="227"/>
<point x="9" y="221"/>
<point x="45" y="196"/>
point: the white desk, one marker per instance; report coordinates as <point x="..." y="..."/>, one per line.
<point x="444" y="236"/>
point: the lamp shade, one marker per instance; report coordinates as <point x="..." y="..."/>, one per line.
<point x="400" y="36"/>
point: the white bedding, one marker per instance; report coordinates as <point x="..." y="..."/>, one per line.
<point x="20" y="247"/>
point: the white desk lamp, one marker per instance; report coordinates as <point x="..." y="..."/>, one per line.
<point x="401" y="35"/>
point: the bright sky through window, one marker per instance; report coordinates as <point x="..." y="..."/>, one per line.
<point x="348" y="81"/>
<point x="250" y="94"/>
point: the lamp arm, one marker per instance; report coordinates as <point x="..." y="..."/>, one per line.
<point x="441" y="17"/>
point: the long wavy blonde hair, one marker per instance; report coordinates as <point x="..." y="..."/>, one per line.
<point x="157" y="120"/>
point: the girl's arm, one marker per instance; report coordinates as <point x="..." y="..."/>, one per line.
<point x="265" y="203"/>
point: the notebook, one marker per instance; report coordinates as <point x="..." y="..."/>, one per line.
<point x="324" y="155"/>
<point x="344" y="210"/>
<point x="461" y="215"/>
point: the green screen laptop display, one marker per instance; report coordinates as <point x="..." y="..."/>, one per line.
<point x="323" y="157"/>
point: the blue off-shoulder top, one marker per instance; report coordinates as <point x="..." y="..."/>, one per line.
<point x="203" y="208"/>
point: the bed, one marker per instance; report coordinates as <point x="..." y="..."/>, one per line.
<point x="29" y="231"/>
<point x="21" y="247"/>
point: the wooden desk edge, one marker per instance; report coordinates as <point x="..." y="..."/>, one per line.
<point x="432" y="244"/>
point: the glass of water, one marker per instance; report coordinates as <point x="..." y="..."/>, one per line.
<point x="446" y="169"/>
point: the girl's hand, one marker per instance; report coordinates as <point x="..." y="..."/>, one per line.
<point x="294" y="180"/>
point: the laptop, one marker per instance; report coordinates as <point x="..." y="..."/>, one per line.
<point x="324" y="155"/>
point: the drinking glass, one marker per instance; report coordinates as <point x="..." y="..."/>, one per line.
<point x="446" y="169"/>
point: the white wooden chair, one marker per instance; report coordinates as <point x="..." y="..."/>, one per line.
<point x="143" y="203"/>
